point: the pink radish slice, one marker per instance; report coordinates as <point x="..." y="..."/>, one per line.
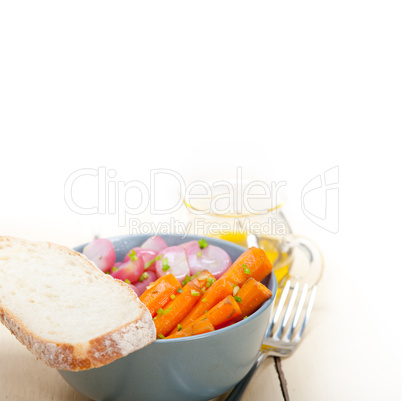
<point x="142" y="285"/>
<point x="186" y="245"/>
<point x="135" y="289"/>
<point x="174" y="261"/>
<point x="101" y="252"/>
<point x="147" y="254"/>
<point x="212" y="258"/>
<point x="130" y="270"/>
<point x="155" y="243"/>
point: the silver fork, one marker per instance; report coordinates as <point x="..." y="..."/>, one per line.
<point x="276" y="343"/>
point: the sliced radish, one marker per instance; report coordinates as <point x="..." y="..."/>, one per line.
<point x="142" y="285"/>
<point x="130" y="271"/>
<point x="155" y="243"/>
<point x="101" y="252"/>
<point x="135" y="289"/>
<point x="173" y="260"/>
<point x="186" y="245"/>
<point x="147" y="254"/>
<point x="211" y="258"/>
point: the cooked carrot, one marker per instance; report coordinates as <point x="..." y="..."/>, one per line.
<point x="201" y="327"/>
<point x="222" y="313"/>
<point x="158" y="294"/>
<point x="251" y="295"/>
<point x="177" y="309"/>
<point x="219" y="290"/>
<point x="251" y="263"/>
<point x="204" y="279"/>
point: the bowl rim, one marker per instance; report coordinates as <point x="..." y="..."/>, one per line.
<point x="216" y="241"/>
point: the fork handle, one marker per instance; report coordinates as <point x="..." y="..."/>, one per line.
<point x="238" y="390"/>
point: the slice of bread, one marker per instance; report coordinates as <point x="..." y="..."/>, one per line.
<point x="65" y="310"/>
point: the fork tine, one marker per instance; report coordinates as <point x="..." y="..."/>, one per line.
<point x="296" y="317"/>
<point x="308" y="313"/>
<point x="279" y="308"/>
<point x="288" y="312"/>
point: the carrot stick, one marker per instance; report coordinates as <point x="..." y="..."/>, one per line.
<point x="203" y="279"/>
<point x="251" y="263"/>
<point x="219" y="290"/>
<point x="158" y="294"/>
<point x="251" y="295"/>
<point x="220" y="314"/>
<point x="201" y="327"/>
<point x="177" y="309"/>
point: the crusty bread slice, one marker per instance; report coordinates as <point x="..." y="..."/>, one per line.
<point x="65" y="310"/>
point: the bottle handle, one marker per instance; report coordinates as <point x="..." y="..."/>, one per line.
<point x="313" y="273"/>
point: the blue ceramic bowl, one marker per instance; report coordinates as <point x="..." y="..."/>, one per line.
<point x="196" y="368"/>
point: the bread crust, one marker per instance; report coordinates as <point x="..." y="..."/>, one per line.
<point x="98" y="351"/>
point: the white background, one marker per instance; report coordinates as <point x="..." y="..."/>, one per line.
<point x="286" y="90"/>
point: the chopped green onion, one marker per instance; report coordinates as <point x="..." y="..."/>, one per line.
<point x="179" y="290"/>
<point x="236" y="290"/>
<point x="161" y="336"/>
<point x="114" y="268"/>
<point x="127" y="281"/>
<point x="179" y="327"/>
<point x="100" y="257"/>
<point x="195" y="293"/>
<point x="152" y="261"/>
<point x="108" y="272"/>
<point x="199" y="254"/>
<point x="246" y="269"/>
<point x="203" y="300"/>
<point x="210" y="281"/>
<point x="237" y="299"/>
<point x="162" y="311"/>
<point x="202" y="243"/>
<point x="245" y="317"/>
<point x="186" y="280"/>
<point x="172" y="296"/>
<point x="165" y="265"/>
<point x="133" y="257"/>
<point x="143" y="277"/>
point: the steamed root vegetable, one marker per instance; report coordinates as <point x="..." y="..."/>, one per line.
<point x="130" y="271"/>
<point x="174" y="312"/>
<point x="147" y="254"/>
<point x="251" y="263"/>
<point x="201" y="327"/>
<point x="218" y="290"/>
<point x="222" y="313"/>
<point x="202" y="256"/>
<point x="173" y="260"/>
<point x="102" y="253"/>
<point x="155" y="243"/>
<point x="144" y="281"/>
<point x="204" y="279"/>
<point x="159" y="293"/>
<point x="252" y="295"/>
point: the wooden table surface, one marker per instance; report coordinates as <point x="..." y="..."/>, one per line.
<point x="342" y="356"/>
